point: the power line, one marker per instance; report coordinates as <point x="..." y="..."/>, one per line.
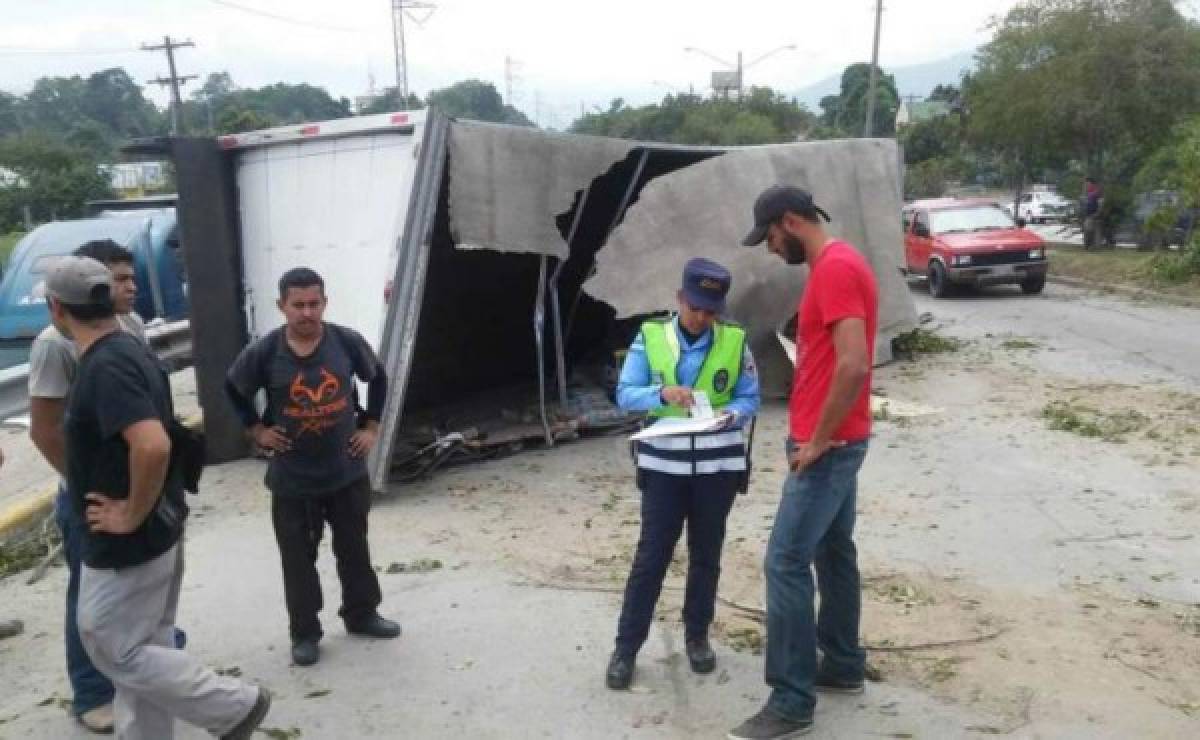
<point x="20" y="50"/>
<point x="174" y="81"/>
<point x="286" y="19"/>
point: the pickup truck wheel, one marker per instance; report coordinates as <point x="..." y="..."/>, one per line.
<point x="938" y="284"/>
<point x="1033" y="286"/>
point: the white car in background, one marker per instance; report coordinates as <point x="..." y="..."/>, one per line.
<point x="1039" y="206"/>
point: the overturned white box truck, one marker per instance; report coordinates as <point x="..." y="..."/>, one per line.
<point x="500" y="271"/>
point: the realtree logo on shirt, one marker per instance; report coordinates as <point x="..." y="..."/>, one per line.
<point x="315" y="408"/>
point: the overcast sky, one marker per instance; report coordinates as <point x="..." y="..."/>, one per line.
<point x="568" y="53"/>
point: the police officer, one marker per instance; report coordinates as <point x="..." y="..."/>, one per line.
<point x="685" y="478"/>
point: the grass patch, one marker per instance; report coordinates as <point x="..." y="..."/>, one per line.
<point x="1076" y="418"/>
<point x="924" y="342"/>
<point x="1158" y="271"/>
<point x="422" y="565"/>
<point x="944" y="669"/>
<point x="20" y="556"/>
<point x="745" y="640"/>
<point x="1019" y="343"/>
<point x="24" y="553"/>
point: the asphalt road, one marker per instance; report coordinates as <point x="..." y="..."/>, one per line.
<point x="1092" y="334"/>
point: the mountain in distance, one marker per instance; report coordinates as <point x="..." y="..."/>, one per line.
<point x="918" y="79"/>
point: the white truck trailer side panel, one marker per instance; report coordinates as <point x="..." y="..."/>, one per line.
<point x="336" y="205"/>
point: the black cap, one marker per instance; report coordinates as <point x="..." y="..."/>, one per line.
<point x="705" y="284"/>
<point x="777" y="200"/>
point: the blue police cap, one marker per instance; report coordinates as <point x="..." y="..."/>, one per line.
<point x="705" y="284"/>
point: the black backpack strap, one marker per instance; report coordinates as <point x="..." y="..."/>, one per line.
<point x="357" y="363"/>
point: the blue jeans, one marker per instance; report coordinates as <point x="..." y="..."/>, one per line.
<point x="668" y="501"/>
<point x="89" y="686"/>
<point x="814" y="527"/>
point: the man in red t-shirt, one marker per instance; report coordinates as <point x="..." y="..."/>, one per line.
<point x="830" y="422"/>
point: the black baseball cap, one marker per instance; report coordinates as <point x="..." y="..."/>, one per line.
<point x="777" y="200"/>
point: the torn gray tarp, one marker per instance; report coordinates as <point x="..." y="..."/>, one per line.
<point x="705" y="210"/>
<point x="481" y="232"/>
<point x="508" y="183"/>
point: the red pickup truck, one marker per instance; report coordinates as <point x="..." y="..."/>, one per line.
<point x="954" y="241"/>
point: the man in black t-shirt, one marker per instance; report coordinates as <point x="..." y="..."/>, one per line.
<point x="318" y="441"/>
<point x="119" y="478"/>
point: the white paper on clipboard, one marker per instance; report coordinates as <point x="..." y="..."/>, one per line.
<point x="672" y="425"/>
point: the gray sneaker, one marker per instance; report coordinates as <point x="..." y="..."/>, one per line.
<point x="245" y="729"/>
<point x="767" y="725"/>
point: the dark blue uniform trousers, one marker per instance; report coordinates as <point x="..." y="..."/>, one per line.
<point x="668" y="501"/>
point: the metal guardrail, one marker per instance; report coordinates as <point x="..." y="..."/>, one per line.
<point x="172" y="342"/>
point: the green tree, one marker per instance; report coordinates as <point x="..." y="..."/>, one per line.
<point x="785" y="113"/>
<point x="216" y="86"/>
<point x="763" y="117"/>
<point x="235" y="121"/>
<point x="10" y="113"/>
<point x="476" y="100"/>
<point x="91" y="137"/>
<point x="847" y="111"/>
<point x="55" y="104"/>
<point x="112" y="99"/>
<point x="946" y="94"/>
<point x="925" y="140"/>
<point x="1098" y="81"/>
<point x="390" y="101"/>
<point x="55" y="180"/>
<point x="1176" y="166"/>
<point x="203" y="106"/>
<point x="935" y="154"/>
<point x="222" y="105"/>
<point x="103" y="110"/>
<point x="292" y="103"/>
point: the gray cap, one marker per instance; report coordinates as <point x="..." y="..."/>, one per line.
<point x="80" y="281"/>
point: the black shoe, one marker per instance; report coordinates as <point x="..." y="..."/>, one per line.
<point x="245" y="729"/>
<point x="831" y="685"/>
<point x="374" y="626"/>
<point x="767" y="725"/>
<point x="620" y="671"/>
<point x="305" y="652"/>
<point x="701" y="656"/>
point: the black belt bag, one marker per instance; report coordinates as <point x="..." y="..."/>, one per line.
<point x="187" y="455"/>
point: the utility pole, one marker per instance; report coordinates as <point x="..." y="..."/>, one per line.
<point x="511" y="68"/>
<point x="739" y="74"/>
<point x="400" y="8"/>
<point x="868" y="127"/>
<point x="174" y="81"/>
<point x="508" y="77"/>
